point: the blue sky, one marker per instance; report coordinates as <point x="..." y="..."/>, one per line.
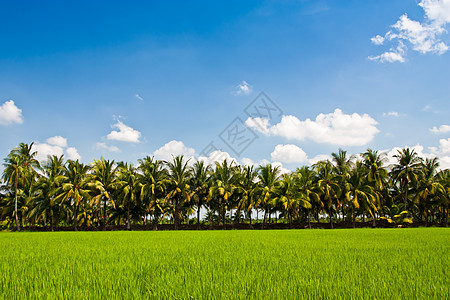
<point x="125" y="80"/>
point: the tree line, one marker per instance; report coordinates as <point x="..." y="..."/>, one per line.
<point x="343" y="189"/>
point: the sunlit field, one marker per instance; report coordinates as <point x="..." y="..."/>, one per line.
<point x="289" y="264"/>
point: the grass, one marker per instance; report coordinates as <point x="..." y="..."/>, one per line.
<point x="289" y="264"/>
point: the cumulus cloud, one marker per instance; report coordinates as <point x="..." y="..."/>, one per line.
<point x="334" y="128"/>
<point x="440" y="129"/>
<point x="423" y="37"/>
<point x="56" y="145"/>
<point x="173" y="148"/>
<point x="124" y="134"/>
<point x="442" y="152"/>
<point x="57" y="141"/>
<point x="72" y="153"/>
<point x="217" y="156"/>
<point x="243" y="89"/>
<point x="109" y="148"/>
<point x="393" y="55"/>
<point x="10" y="113"/>
<point x="288" y="154"/>
<point x="320" y="157"/>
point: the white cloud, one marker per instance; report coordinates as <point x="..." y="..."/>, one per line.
<point x="56" y="145"/>
<point x="57" y="141"/>
<point x="125" y="133"/>
<point x="440" y="129"/>
<point x="243" y="89"/>
<point x="335" y="128"/>
<point x="173" y="148"/>
<point x="283" y="170"/>
<point x="72" y="153"/>
<point x="442" y="152"/>
<point x="318" y="158"/>
<point x="391" y="56"/>
<point x="217" y="156"/>
<point x="288" y="154"/>
<point x="139" y="97"/>
<point x="378" y="40"/>
<point x="104" y="146"/>
<point x="391" y="114"/>
<point x="43" y="150"/>
<point x="10" y="113"/>
<point x="424" y="37"/>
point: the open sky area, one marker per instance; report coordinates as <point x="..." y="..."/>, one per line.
<point x="124" y="80"/>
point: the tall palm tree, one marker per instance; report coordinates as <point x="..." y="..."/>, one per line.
<point x="377" y="174"/>
<point x="268" y="180"/>
<point x="75" y="188"/>
<point x="224" y="184"/>
<point x="428" y="187"/>
<point x="443" y="177"/>
<point x="247" y="186"/>
<point x="330" y="190"/>
<point x="46" y="188"/>
<point x="178" y="189"/>
<point x="359" y="192"/>
<point x="20" y="168"/>
<point x="129" y="185"/>
<point x="406" y="171"/>
<point x="307" y="187"/>
<point x="103" y="182"/>
<point x="154" y="180"/>
<point x="200" y="183"/>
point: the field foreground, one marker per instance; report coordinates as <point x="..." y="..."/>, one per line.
<point x="313" y="264"/>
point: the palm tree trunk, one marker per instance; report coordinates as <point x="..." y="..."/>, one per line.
<point x="353" y="217"/>
<point x="16" y="181"/>
<point x="128" y="218"/>
<point x="75" y="218"/>
<point x="331" y="221"/>
<point x="198" y="216"/>
<point x="309" y="219"/>
<point x="104" y="213"/>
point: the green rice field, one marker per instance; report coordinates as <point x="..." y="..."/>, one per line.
<point x="288" y="264"/>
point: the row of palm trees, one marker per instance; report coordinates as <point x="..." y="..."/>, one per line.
<point x="343" y="189"/>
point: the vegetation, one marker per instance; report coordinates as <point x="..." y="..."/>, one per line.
<point x="342" y="190"/>
<point x="286" y="264"/>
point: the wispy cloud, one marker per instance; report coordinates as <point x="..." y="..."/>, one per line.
<point x="139" y="97"/>
<point x="109" y="148"/>
<point x="391" y="114"/>
<point x="243" y="89"/>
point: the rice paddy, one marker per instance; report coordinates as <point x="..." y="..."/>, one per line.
<point x="288" y="264"/>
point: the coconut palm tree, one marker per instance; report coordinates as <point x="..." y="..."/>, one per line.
<point x="247" y="186"/>
<point x="224" y="184"/>
<point x="329" y="188"/>
<point x="46" y="188"/>
<point x="103" y="181"/>
<point x="305" y="180"/>
<point x="268" y="181"/>
<point x="200" y="184"/>
<point x="178" y="189"/>
<point x="75" y="188"/>
<point x="129" y="187"/>
<point x="406" y="171"/>
<point x="20" y="169"/>
<point x="443" y="177"/>
<point x="154" y="180"/>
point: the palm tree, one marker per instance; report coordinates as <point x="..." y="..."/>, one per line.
<point x="428" y="187"/>
<point x="406" y="171"/>
<point x="200" y="183"/>
<point x="154" y="180"/>
<point x="224" y="184"/>
<point x="103" y="181"/>
<point x="20" y="168"/>
<point x="377" y="175"/>
<point x="443" y="177"/>
<point x="74" y="187"/>
<point x="46" y="187"/>
<point x="306" y="186"/>
<point x="178" y="189"/>
<point x="328" y="187"/>
<point x="129" y="184"/>
<point x="360" y="192"/>
<point x="268" y="180"/>
<point x="247" y="186"/>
